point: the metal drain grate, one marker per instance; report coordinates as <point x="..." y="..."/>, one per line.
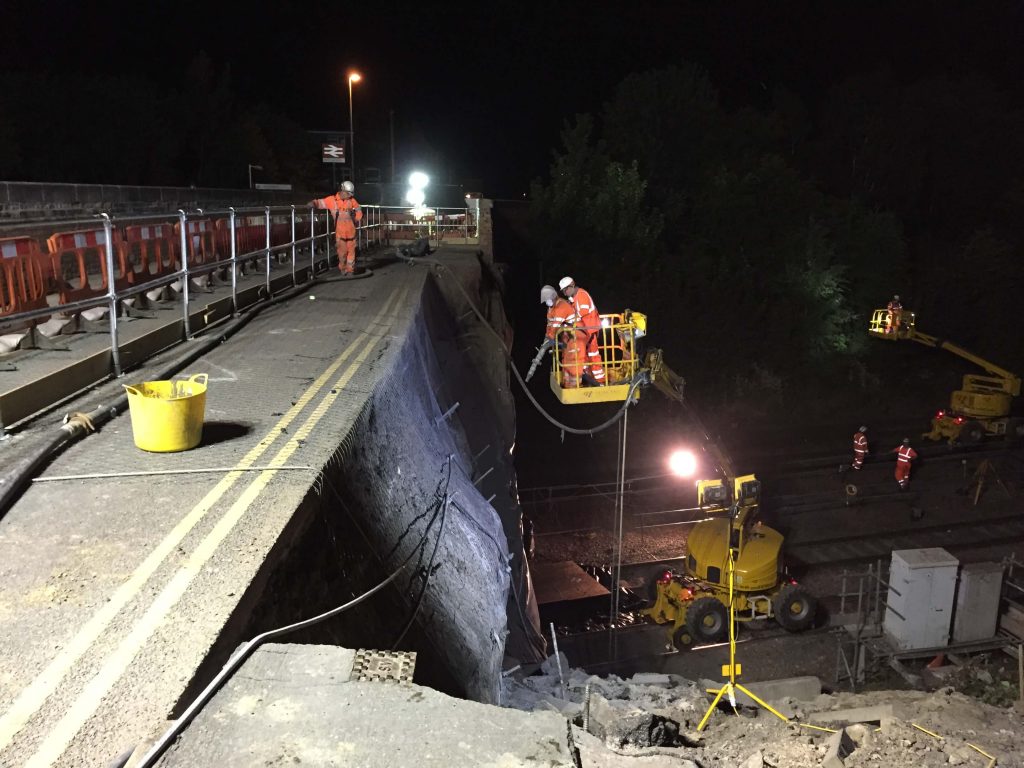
<point x="384" y="666"/>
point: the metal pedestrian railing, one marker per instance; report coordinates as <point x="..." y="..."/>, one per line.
<point x="122" y="265"/>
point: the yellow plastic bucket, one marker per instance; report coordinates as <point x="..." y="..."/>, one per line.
<point x="168" y="415"/>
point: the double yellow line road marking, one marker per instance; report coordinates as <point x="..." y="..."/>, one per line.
<point x="32" y="698"/>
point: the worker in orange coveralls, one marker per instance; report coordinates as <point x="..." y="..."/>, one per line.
<point x="860" y="448"/>
<point x="574" y="358"/>
<point x="904" y="455"/>
<point x="895" y="310"/>
<point x="589" y="320"/>
<point x="347" y="214"/>
<point x="560" y="311"/>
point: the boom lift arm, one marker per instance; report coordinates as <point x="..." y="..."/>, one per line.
<point x="981" y="406"/>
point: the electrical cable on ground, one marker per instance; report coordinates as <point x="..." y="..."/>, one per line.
<point x="444" y="499"/>
<point x="15" y="480"/>
<point x="637" y="381"/>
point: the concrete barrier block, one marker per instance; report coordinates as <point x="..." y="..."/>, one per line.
<point x="805" y="688"/>
<point x="847" y="716"/>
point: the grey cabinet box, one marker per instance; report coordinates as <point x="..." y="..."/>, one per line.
<point x="977" y="602"/>
<point x="919" y="609"/>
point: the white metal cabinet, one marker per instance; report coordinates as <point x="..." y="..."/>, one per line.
<point x="922" y="586"/>
<point x="977" y="602"/>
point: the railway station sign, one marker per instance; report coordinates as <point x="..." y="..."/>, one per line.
<point x="333" y="153"/>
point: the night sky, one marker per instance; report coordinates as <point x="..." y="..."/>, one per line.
<point x="489" y="85"/>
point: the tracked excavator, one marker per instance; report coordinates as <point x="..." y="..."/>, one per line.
<point x="694" y="603"/>
<point x="981" y="407"/>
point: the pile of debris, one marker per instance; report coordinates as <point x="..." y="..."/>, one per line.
<point x="652" y="719"/>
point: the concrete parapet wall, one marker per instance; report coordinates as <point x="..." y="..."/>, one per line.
<point x="30" y="200"/>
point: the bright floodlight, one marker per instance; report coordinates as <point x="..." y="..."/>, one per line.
<point x="682" y="463"/>
<point x="415" y="197"/>
<point x="418" y="180"/>
<point x="354" y="77"/>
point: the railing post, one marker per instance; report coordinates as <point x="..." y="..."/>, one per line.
<point x="312" y="242"/>
<point x="327" y="240"/>
<point x="115" y="352"/>
<point x="465" y="226"/>
<point x="234" y="263"/>
<point x="294" y="282"/>
<point x="183" y="222"/>
<point x="266" y="255"/>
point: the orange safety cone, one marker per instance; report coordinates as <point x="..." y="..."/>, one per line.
<point x="937" y="662"/>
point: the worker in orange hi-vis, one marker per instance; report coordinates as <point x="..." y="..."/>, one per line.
<point x="574" y="358"/>
<point x="347" y="214"/>
<point x="589" y="320"/>
<point x="904" y="455"/>
<point x="895" y="310"/>
<point x="860" y="448"/>
<point x="560" y="311"/>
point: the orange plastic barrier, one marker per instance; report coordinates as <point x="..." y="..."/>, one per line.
<point x="79" y="262"/>
<point x="200" y="241"/>
<point x="23" y="286"/>
<point x="150" y="250"/>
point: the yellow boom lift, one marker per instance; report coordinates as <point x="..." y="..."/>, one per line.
<point x="695" y="603"/>
<point x="981" y="407"/>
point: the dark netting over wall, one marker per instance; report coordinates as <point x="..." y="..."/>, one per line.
<point x="396" y="475"/>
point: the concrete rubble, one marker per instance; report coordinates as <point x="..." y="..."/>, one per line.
<point x="651" y="720"/>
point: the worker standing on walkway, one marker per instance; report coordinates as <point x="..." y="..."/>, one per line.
<point x="904" y="455"/>
<point x="895" y="316"/>
<point x="589" y="321"/>
<point x="860" y="448"/>
<point x="347" y="214"/>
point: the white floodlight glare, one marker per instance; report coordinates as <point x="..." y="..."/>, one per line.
<point x="418" y="180"/>
<point x="415" y="196"/>
<point x="682" y="463"/>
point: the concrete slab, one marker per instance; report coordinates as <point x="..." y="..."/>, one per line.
<point x="806" y="688"/>
<point x="838" y="747"/>
<point x="292" y="704"/>
<point x="848" y="716"/>
<point x="557" y="582"/>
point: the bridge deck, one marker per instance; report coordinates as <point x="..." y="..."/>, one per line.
<point x="112" y="590"/>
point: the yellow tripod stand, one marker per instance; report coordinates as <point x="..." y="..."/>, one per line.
<point x="732" y="670"/>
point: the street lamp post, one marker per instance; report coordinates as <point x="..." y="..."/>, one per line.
<point x="353" y="77"/>
<point x="251" y="167"/>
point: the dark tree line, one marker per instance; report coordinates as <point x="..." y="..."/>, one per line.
<point x="759" y="240"/>
<point x="79" y="128"/>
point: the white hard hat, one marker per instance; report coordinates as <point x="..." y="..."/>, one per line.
<point x="548" y="293"/>
<point x="348" y="186"/>
<point x="863" y="429"/>
<point x="565" y="282"/>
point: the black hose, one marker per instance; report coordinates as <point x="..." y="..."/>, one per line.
<point x="15" y="480"/>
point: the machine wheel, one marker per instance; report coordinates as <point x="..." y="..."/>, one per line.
<point x="971" y="433"/>
<point x="682" y="639"/>
<point x="708" y="620"/>
<point x="1015" y="429"/>
<point x="794" y="608"/>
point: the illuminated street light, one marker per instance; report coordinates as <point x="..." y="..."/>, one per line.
<point x="415" y="197"/>
<point x="682" y="463"/>
<point x="353" y="77"/>
<point x="418" y="180"/>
